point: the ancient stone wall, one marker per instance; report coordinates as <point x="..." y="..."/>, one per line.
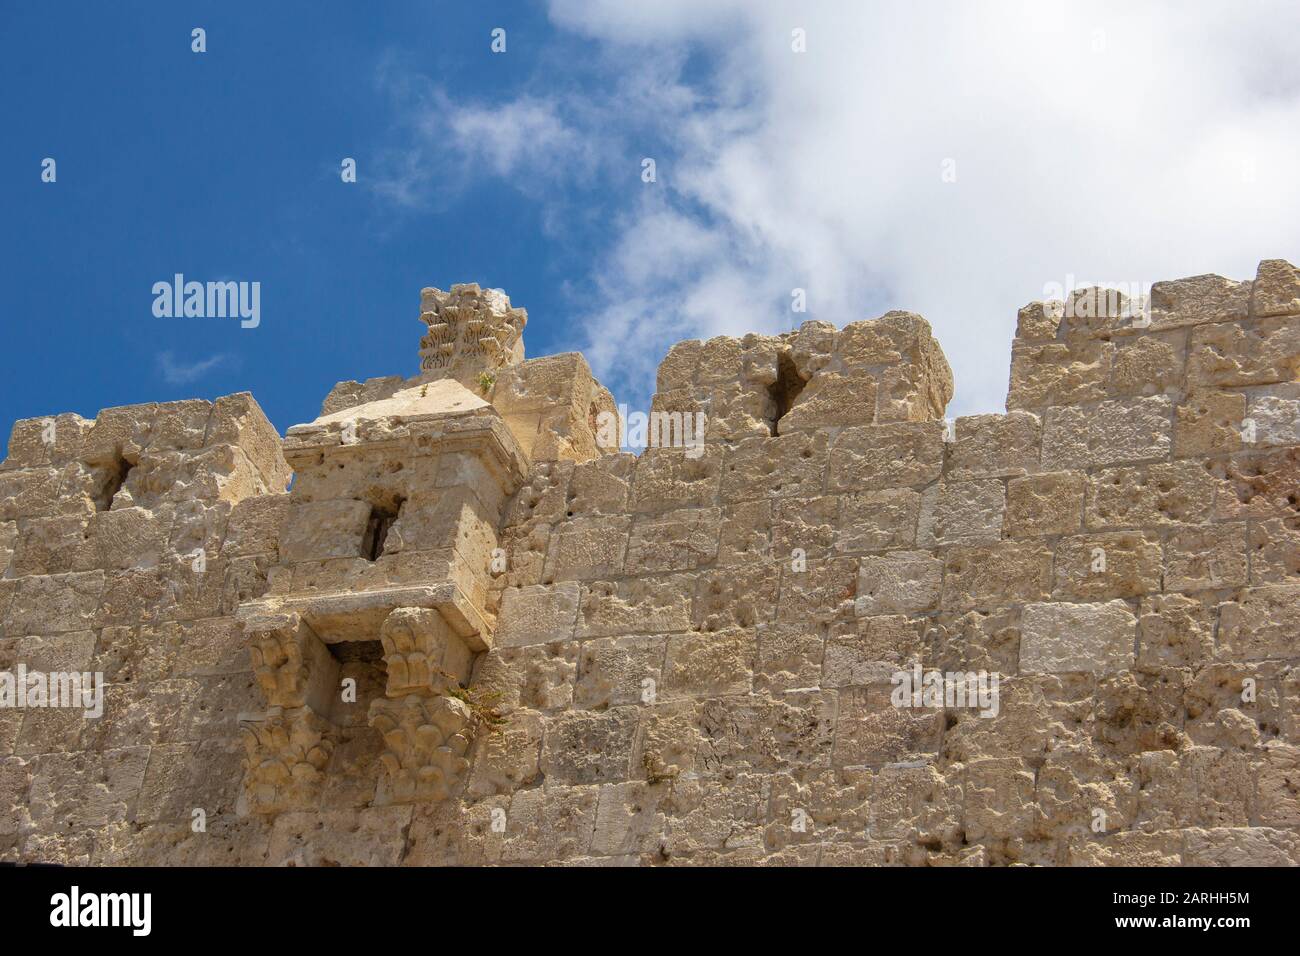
<point x="475" y="633"/>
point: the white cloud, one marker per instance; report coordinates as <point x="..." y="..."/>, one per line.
<point x="181" y="373"/>
<point x="1111" y="141"/>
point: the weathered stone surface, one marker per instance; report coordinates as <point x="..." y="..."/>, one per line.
<point x="1112" y="433"/>
<point x="1060" y="638"/>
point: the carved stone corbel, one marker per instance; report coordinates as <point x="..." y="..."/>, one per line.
<point x="426" y="728"/>
<point x="288" y="747"/>
<point x="285" y="757"/>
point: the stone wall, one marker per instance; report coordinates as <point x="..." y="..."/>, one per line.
<point x="566" y="654"/>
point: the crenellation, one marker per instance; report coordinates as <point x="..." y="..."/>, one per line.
<point x="475" y="632"/>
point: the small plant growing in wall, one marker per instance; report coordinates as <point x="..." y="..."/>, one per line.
<point x="485" y="382"/>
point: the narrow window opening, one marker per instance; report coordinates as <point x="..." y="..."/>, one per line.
<point x="784" y="390"/>
<point x="377" y="528"/>
<point x="115" y="474"/>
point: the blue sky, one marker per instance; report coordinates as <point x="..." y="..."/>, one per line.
<point x="1106" y="142"/>
<point x="225" y="165"/>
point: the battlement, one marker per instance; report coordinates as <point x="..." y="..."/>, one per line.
<point x="474" y="631"/>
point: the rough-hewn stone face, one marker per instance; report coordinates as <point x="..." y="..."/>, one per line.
<point x="838" y="631"/>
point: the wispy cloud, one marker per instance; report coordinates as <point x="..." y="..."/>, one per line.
<point x="181" y="373"/>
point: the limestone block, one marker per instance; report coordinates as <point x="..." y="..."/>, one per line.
<point x="745" y="533"/>
<point x="627" y="820"/>
<point x="255" y="525"/>
<point x="550" y="824"/>
<point x="1038" y="321"/>
<point x="831" y="400"/>
<point x="1139" y="712"/>
<point x="28" y="493"/>
<point x="871" y="650"/>
<point x="973" y="641"/>
<point x="602" y="485"/>
<point x="900" y="582"/>
<point x="674" y="541"/>
<point x="351" y="393"/>
<point x="981" y="576"/>
<point x="1196" y="301"/>
<point x="52" y="441"/>
<point x="325" y="529"/>
<point x="1279" y="786"/>
<point x="1061" y="638"/>
<point x="745" y="733"/>
<point x="999" y="799"/>
<point x="709" y="665"/>
<point x="536" y="677"/>
<point x="55" y="603"/>
<point x="667" y="478"/>
<point x="1276" y="420"/>
<point x="1058" y="373"/>
<point x="1037" y="714"/>
<point x="871" y="457"/>
<point x="871" y="731"/>
<point x="1209" y="422"/>
<point x="129" y="537"/>
<point x="961" y="512"/>
<point x="915" y="803"/>
<point x="1073" y="782"/>
<point x="1174" y="631"/>
<point x="239" y="421"/>
<point x="8" y="538"/>
<point x="1274" y="552"/>
<point x="1263" y="623"/>
<point x="829" y="805"/>
<point x="789" y="656"/>
<point x="585" y="747"/>
<point x="791" y="464"/>
<point x="823" y="590"/>
<point x="551" y="406"/>
<point x="679" y="366"/>
<point x="1197" y="787"/>
<point x="370" y="837"/>
<point x="1276" y="290"/>
<point x="878" y="520"/>
<point x="1150" y="364"/>
<point x="615" y="671"/>
<point x="804" y="526"/>
<point x="740" y="596"/>
<point x="1207" y="557"/>
<point x="1129" y="848"/>
<point x="55" y="545"/>
<point x="994" y="446"/>
<point x="656" y="604"/>
<point x="1110" y="434"/>
<point x="85" y="790"/>
<point x="1095" y="567"/>
<point x="588" y="548"/>
<point x="1233" y="354"/>
<point x="1045" y="504"/>
<point x="1163" y="495"/>
<point x="538" y="614"/>
<point x="1241" y="846"/>
<point x="508" y="755"/>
